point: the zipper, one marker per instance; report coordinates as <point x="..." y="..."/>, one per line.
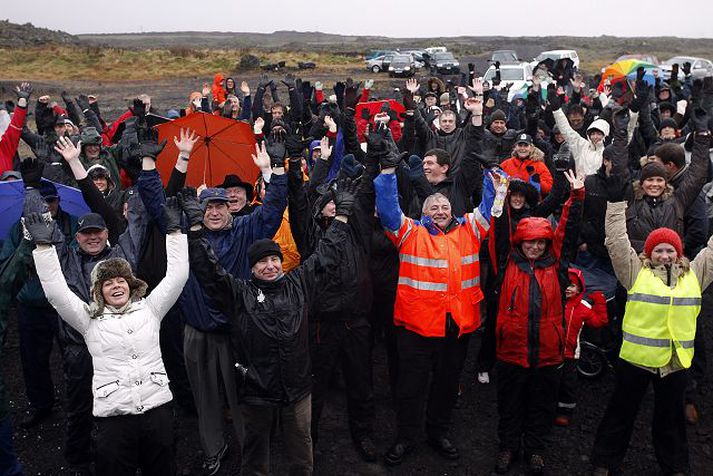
<point x="512" y="299"/>
<point x="115" y="382"/>
<point x="157" y="373"/>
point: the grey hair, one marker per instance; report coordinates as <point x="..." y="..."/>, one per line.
<point x="433" y="198"/>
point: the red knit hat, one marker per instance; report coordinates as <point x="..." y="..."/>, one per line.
<point x="663" y="235"/>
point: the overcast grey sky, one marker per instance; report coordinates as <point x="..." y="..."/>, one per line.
<point x="690" y="18"/>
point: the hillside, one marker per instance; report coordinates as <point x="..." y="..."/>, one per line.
<point x="27" y="35"/>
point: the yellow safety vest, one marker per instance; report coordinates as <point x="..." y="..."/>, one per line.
<point x="659" y="319"/>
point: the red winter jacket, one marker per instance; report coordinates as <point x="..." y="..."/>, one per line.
<point x="578" y="312"/>
<point x="530" y="328"/>
<point x="11" y="138"/>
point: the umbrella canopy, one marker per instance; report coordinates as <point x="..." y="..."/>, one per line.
<point x="625" y="70"/>
<point x="12" y="198"/>
<point x="225" y="146"/>
<point x="374" y="107"/>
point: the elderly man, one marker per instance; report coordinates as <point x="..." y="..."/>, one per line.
<point x="436" y="306"/>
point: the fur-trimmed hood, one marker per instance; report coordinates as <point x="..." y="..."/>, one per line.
<point x="108" y="269"/>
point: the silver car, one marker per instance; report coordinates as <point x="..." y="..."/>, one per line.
<point x="700" y="67"/>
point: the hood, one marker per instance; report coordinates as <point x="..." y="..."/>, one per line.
<point x="218" y="80"/>
<point x="599" y="124"/>
<point x="532" y="195"/>
<point x="575" y="275"/>
<point x="533" y="228"/>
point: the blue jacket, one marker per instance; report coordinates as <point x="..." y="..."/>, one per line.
<point x="229" y="245"/>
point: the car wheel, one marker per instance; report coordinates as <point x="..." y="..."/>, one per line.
<point x="375" y="69"/>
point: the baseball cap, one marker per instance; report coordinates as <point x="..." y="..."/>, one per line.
<point x="91" y="221"/>
<point x="48" y="190"/>
<point x="524" y="139"/>
<point x="214" y="194"/>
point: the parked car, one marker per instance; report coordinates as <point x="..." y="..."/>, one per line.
<point x="380" y="63"/>
<point x="435" y="49"/>
<point x="402" y="66"/>
<point x="557" y="55"/>
<point x="504" y="56"/>
<point x="376" y="53"/>
<point x="444" y="63"/>
<point x="519" y="75"/>
<point x="417" y="55"/>
<point x="700" y="67"/>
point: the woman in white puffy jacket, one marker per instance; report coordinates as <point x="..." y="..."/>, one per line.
<point x="121" y="330"/>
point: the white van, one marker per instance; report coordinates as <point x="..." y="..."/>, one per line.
<point x="556" y="55"/>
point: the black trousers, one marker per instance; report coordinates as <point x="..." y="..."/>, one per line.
<point x="527" y="399"/>
<point x="346" y="342"/>
<point x="128" y="442"/>
<point x="486" y="355"/>
<point x="440" y="358"/>
<point x="382" y="322"/>
<point x="567" y="398"/>
<point x="37" y="327"/>
<point x="668" y="426"/>
<point x="78" y="371"/>
<point x="699" y="364"/>
<point x="171" y="341"/>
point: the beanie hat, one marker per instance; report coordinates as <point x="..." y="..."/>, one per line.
<point x="109" y="269"/>
<point x="668" y="122"/>
<point x="445" y="99"/>
<point x="663" y="235"/>
<point x="609" y="152"/>
<point x="262" y="248"/>
<point x="498" y="115"/>
<point x="653" y="169"/>
<point x="90" y="136"/>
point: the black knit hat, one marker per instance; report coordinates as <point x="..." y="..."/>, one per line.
<point x="668" y="122"/>
<point x="262" y="248"/>
<point x="498" y="115"/>
<point x="653" y="169"/>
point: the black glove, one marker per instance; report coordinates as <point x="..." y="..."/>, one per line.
<point x="616" y="187"/>
<point x="139" y="108"/>
<point x="409" y="103"/>
<point x="687" y="68"/>
<point x="264" y="81"/>
<point x="674" y="72"/>
<point x="277" y="152"/>
<point x="151" y="149"/>
<point x="31" y="171"/>
<point x="553" y="99"/>
<point x="24" y="91"/>
<point x="339" y="89"/>
<point x="40" y="230"/>
<point x="620" y="120"/>
<point x="351" y="93"/>
<point x="345" y="196"/>
<point x="700" y="119"/>
<point x="708" y="93"/>
<point x="532" y="106"/>
<point x="191" y="206"/>
<point x="83" y="102"/>
<point x="172" y="214"/>
<point x="561" y="162"/>
<point x="296" y="146"/>
<point x="289" y="81"/>
<point x="376" y="145"/>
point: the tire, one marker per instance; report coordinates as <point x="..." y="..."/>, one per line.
<point x="592" y="363"/>
<point x="375" y="69"/>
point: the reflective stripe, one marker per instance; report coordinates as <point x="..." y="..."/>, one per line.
<point x="567" y="405"/>
<point x="686" y="344"/>
<point x="650" y="298"/>
<point x="423" y="285"/>
<point x="469" y="283"/>
<point x="408" y="231"/>
<point x="653" y="299"/>
<point x="432" y="263"/>
<point x="646" y="340"/>
<point x="469" y="259"/>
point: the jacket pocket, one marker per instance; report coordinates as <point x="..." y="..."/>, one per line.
<point x="103" y="391"/>
<point x="159" y="378"/>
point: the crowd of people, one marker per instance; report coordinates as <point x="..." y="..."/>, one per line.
<point x="414" y="222"/>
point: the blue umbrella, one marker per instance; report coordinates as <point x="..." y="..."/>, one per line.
<point x="12" y="198"/>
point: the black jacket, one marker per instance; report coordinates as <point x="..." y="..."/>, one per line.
<point x="269" y="328"/>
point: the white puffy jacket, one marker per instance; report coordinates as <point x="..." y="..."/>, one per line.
<point x="129" y="376"/>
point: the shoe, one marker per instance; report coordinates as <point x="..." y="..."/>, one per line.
<point x="35" y="416"/>
<point x="537" y="464"/>
<point x="600" y="472"/>
<point x="562" y="420"/>
<point x="503" y="461"/>
<point x="211" y="465"/>
<point x="483" y="377"/>
<point x="366" y="448"/>
<point x="396" y="453"/>
<point x="444" y="447"/>
<point x="691" y="413"/>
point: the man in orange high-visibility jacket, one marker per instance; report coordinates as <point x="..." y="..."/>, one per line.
<point x="437" y="307"/>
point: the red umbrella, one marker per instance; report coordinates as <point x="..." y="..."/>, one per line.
<point x="224" y="147"/>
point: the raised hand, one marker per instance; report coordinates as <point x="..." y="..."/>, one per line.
<point x="576" y="181"/>
<point x="191" y="206"/>
<point x="24" y="91"/>
<point x="345" y="196"/>
<point x="264" y="81"/>
<point x="31" y="171"/>
<point x="151" y="149"/>
<point x="477" y="87"/>
<point x="245" y="88"/>
<point x="172" y="212"/>
<point x="40" y="228"/>
<point x="368" y="84"/>
<point x="325" y="148"/>
<point x="289" y="81"/>
<point x="329" y="122"/>
<point x="188" y="139"/>
<point x="258" y="126"/>
<point x="474" y="106"/>
<point x="67" y="149"/>
<point x="412" y="85"/>
<point x="206" y="90"/>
